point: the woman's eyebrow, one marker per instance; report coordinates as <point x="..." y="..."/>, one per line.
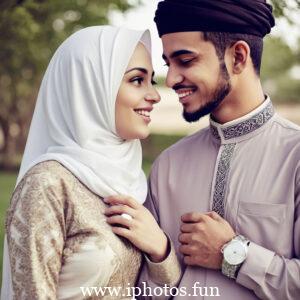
<point x="143" y="70"/>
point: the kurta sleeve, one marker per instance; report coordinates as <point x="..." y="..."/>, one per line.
<point x="35" y="231"/>
<point x="269" y="275"/>
<point x="163" y="274"/>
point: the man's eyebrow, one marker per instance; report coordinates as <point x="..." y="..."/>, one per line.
<point x="178" y="53"/>
<point x="143" y="70"/>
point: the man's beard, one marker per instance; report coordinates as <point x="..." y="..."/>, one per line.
<point x="222" y="90"/>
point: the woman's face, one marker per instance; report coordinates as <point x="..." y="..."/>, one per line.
<point x="136" y="96"/>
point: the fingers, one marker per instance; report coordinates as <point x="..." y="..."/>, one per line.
<point x="190" y="260"/>
<point x="187" y="228"/>
<point x="193" y="217"/>
<point x="214" y="216"/>
<point x="119" y="210"/>
<point x="184" y="238"/>
<point x="187" y="249"/>
<point x="122" y="199"/>
<point x="124" y="232"/>
<point x="119" y="220"/>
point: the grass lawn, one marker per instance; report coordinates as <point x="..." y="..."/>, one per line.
<point x="7" y="183"/>
<point x="152" y="146"/>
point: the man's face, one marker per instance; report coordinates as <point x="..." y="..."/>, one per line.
<point x="195" y="73"/>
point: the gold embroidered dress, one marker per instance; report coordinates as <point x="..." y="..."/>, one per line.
<point x="59" y="241"/>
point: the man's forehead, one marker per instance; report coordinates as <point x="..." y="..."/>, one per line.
<point x="177" y="41"/>
<point x="182" y="36"/>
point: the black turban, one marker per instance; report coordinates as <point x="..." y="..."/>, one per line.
<point x="236" y="16"/>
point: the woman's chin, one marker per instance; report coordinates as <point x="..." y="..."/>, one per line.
<point x="141" y="133"/>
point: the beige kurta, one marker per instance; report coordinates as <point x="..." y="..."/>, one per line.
<point x="59" y="241"/>
<point x="250" y="169"/>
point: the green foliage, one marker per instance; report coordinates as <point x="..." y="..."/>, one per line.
<point x="7" y="183"/>
<point x="278" y="60"/>
<point x="282" y="8"/>
<point x="30" y="31"/>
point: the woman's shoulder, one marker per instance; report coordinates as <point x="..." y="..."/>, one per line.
<point x="43" y="190"/>
<point x="48" y="174"/>
<point x="49" y="171"/>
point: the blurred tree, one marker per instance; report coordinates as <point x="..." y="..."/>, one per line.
<point x="30" y="31"/>
<point x="283" y="8"/>
<point x="279" y="60"/>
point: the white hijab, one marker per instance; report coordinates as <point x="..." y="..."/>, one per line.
<point x="74" y="117"/>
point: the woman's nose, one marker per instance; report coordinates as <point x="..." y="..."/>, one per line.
<point x="153" y="96"/>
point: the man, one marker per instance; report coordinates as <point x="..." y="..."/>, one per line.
<point x="229" y="194"/>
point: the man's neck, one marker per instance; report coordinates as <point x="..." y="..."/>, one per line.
<point x="239" y="102"/>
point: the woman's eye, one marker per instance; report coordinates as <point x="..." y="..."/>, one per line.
<point x="137" y="80"/>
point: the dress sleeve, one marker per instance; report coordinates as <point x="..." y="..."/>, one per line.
<point x="269" y="275"/>
<point x="35" y="231"/>
<point x="167" y="271"/>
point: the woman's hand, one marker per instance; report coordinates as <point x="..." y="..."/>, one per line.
<point x="141" y="229"/>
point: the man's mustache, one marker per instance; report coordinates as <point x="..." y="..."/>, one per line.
<point x="180" y="86"/>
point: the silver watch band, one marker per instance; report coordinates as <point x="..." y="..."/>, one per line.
<point x="230" y="270"/>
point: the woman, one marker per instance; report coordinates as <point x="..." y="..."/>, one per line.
<point x="83" y="146"/>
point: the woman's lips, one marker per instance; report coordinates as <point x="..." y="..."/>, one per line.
<point x="144" y="114"/>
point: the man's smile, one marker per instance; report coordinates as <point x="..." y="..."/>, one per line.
<point x="184" y="94"/>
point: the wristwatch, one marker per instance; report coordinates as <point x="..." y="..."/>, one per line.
<point x="234" y="254"/>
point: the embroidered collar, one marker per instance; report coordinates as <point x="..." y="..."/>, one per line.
<point x="244" y="125"/>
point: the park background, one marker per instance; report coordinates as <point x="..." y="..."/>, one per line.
<point x="31" y="30"/>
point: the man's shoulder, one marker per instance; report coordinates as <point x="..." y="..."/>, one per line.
<point x="287" y="129"/>
<point x="287" y="124"/>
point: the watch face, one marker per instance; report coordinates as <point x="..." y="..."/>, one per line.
<point x="235" y="253"/>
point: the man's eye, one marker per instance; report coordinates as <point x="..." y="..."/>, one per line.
<point x="153" y="82"/>
<point x="166" y="65"/>
<point x="137" y="80"/>
<point x="186" y="61"/>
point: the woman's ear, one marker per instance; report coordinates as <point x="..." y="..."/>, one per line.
<point x="240" y="53"/>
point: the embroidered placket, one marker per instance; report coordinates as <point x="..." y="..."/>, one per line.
<point x="221" y="179"/>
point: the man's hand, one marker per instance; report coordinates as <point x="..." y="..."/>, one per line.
<point x="202" y="237"/>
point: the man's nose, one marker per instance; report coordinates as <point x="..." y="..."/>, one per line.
<point x="173" y="78"/>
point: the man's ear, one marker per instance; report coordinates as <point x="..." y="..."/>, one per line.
<point x="240" y="53"/>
